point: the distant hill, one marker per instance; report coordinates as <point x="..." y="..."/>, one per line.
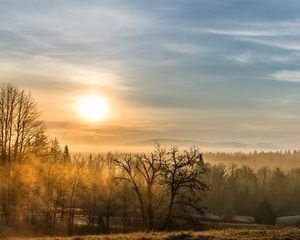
<point x="264" y="146"/>
<point x="166" y="141"/>
<point x="209" y="145"/>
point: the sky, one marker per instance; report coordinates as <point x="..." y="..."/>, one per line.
<point x="213" y="71"/>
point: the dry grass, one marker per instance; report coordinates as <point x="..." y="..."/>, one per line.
<point x="284" y="233"/>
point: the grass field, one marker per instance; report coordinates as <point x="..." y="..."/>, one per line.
<point x="284" y="233"/>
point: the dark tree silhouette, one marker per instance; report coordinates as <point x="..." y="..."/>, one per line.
<point x="182" y="174"/>
<point x="130" y="171"/>
<point x="66" y="156"/>
<point x="264" y="213"/>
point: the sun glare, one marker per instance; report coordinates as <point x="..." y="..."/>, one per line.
<point x="93" y="108"/>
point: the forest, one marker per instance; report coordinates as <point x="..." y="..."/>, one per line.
<point x="45" y="188"/>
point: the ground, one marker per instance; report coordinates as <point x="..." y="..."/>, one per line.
<point x="232" y="234"/>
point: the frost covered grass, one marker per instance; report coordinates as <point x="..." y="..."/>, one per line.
<point x="251" y="234"/>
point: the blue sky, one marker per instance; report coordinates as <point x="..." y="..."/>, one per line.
<point x="205" y="70"/>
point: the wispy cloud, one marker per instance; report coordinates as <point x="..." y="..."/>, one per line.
<point x="280" y="34"/>
<point x="263" y="28"/>
<point x="289" y="76"/>
<point x="242" y="59"/>
<point x="187" y="48"/>
<point x="278" y="43"/>
<point x="244" y="31"/>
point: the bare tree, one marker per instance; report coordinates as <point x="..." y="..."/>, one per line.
<point x="77" y="173"/>
<point x="149" y="168"/>
<point x="182" y="174"/>
<point x="19" y="130"/>
<point x="126" y="165"/>
<point x="108" y="194"/>
<point x="19" y="123"/>
<point x="143" y="168"/>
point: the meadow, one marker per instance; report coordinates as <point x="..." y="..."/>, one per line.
<point x="260" y="232"/>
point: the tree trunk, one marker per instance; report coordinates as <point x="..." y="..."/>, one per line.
<point x="150" y="208"/>
<point x="169" y="213"/>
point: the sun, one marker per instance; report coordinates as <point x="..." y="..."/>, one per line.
<point x="93" y="108"/>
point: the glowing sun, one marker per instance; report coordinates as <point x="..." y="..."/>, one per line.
<point x="93" y="108"/>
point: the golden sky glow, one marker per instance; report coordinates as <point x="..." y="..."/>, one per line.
<point x="170" y="69"/>
<point x="93" y="108"/>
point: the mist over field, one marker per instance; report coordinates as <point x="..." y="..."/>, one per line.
<point x="46" y="189"/>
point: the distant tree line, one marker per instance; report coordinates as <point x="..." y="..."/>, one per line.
<point x="283" y="159"/>
<point x="239" y="190"/>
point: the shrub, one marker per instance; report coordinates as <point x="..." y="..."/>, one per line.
<point x="264" y="213"/>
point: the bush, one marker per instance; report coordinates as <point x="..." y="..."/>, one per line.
<point x="264" y="213"/>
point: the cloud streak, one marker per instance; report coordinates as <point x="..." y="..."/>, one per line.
<point x="289" y="76"/>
